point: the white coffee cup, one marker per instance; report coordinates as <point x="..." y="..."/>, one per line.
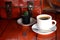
<point x="45" y="22"/>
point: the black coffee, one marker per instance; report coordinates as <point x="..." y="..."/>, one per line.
<point x="44" y="18"/>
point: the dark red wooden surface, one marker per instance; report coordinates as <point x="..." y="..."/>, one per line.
<point x="10" y="30"/>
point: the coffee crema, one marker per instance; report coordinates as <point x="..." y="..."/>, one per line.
<point x="44" y="18"/>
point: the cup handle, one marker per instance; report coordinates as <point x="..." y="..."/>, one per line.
<point x="54" y="22"/>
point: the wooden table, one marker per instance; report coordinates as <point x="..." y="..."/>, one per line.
<point x="10" y="30"/>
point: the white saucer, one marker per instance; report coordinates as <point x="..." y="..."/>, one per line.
<point x="43" y="32"/>
<point x="32" y="21"/>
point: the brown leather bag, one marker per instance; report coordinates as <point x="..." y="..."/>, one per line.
<point x="56" y="2"/>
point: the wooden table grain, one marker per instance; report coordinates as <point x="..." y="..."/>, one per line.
<point x="11" y="30"/>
